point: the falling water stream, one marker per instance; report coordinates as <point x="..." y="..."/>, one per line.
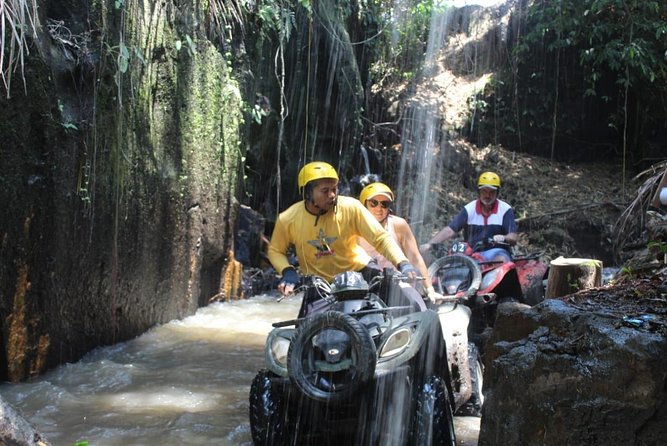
<point x="422" y="138"/>
<point x="181" y="383"/>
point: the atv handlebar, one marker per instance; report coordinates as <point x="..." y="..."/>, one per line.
<point x="480" y="299"/>
<point x="314" y="281"/>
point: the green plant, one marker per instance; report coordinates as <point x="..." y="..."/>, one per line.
<point x="659" y="247"/>
<point x="190" y="45"/>
<point x="606" y="55"/>
<point x="628" y="271"/>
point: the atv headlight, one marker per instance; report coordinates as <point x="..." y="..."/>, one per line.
<point x="276" y="349"/>
<point x="396" y="343"/>
<point x="489" y="278"/>
<point x="279" y="349"/>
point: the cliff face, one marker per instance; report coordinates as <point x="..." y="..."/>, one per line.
<point x="119" y="171"/>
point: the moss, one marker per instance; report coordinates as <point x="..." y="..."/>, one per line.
<point x="210" y="122"/>
<point x="17" y="345"/>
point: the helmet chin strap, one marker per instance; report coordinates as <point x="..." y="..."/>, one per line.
<point x="320" y="211"/>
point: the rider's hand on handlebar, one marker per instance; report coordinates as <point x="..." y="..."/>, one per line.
<point x="288" y="282"/>
<point x="499" y="238"/>
<point x="408" y="270"/>
<point x="433" y="295"/>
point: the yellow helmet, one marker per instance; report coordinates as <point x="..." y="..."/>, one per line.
<point x="316" y="170"/>
<point x="488" y="179"/>
<point x="374" y="189"/>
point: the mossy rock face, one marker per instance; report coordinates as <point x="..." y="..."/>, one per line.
<point x="120" y="199"/>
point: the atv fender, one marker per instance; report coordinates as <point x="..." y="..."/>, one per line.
<point x="454" y="320"/>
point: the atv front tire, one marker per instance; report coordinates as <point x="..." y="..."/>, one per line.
<point x="439" y="269"/>
<point x="268" y="412"/>
<point x="433" y="423"/>
<point x="321" y="378"/>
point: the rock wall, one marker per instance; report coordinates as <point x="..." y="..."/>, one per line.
<point x="119" y="170"/>
<point x="557" y="375"/>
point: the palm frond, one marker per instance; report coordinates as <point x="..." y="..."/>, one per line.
<point x="630" y="224"/>
<point x="18" y="20"/>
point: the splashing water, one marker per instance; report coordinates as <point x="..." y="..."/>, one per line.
<point x="185" y="382"/>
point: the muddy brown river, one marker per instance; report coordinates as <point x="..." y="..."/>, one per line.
<point x="181" y="383"/>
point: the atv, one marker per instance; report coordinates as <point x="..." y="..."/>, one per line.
<point x="354" y="370"/>
<point x="471" y="290"/>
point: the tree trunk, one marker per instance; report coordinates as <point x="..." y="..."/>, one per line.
<point x="569" y="275"/>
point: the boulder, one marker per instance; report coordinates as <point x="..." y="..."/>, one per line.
<point x="557" y="374"/>
<point x="15" y="430"/>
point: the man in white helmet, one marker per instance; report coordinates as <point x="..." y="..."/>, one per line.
<point x="485" y="218"/>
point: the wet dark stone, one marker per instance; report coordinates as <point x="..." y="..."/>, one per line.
<point x="556" y="375"/>
<point x="15" y="430"/>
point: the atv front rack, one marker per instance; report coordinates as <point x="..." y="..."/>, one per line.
<point x="355" y="314"/>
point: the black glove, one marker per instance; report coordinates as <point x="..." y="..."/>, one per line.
<point x="290" y="277"/>
<point x="406" y="268"/>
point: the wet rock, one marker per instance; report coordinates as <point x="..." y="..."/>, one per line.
<point x="558" y="375"/>
<point x="249" y="240"/>
<point x="15" y="430"/>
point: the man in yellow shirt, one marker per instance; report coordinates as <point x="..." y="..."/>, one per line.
<point x="324" y="228"/>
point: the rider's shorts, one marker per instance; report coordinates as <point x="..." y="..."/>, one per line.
<point x="492" y="253"/>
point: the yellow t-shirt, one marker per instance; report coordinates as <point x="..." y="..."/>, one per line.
<point x="327" y="245"/>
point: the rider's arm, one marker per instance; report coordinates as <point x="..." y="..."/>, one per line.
<point x="409" y="245"/>
<point x="445" y="234"/>
<point x="510" y="239"/>
<point x="448" y="231"/>
<point x="278" y="245"/>
<point x="510" y="226"/>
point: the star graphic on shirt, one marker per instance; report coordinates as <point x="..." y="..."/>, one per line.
<point x="322" y="244"/>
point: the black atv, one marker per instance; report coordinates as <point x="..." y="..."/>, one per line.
<point x="354" y="370"/>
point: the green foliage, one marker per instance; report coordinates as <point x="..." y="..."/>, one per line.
<point x="400" y="41"/>
<point x="608" y="52"/>
<point x="275" y="18"/>
<point x="626" y="40"/>
<point x="123" y="58"/>
<point x="628" y="271"/>
<point x="659" y="246"/>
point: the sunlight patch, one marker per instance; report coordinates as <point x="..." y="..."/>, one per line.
<point x="163" y="400"/>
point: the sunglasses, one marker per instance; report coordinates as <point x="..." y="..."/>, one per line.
<point x="374" y="203"/>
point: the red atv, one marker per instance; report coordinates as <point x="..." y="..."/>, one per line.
<point x="472" y="287"/>
<point x="463" y="271"/>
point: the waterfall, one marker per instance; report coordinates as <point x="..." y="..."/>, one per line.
<point x="421" y="136"/>
<point x="457" y="64"/>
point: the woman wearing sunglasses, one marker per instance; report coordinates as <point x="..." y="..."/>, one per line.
<point x="378" y="198"/>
